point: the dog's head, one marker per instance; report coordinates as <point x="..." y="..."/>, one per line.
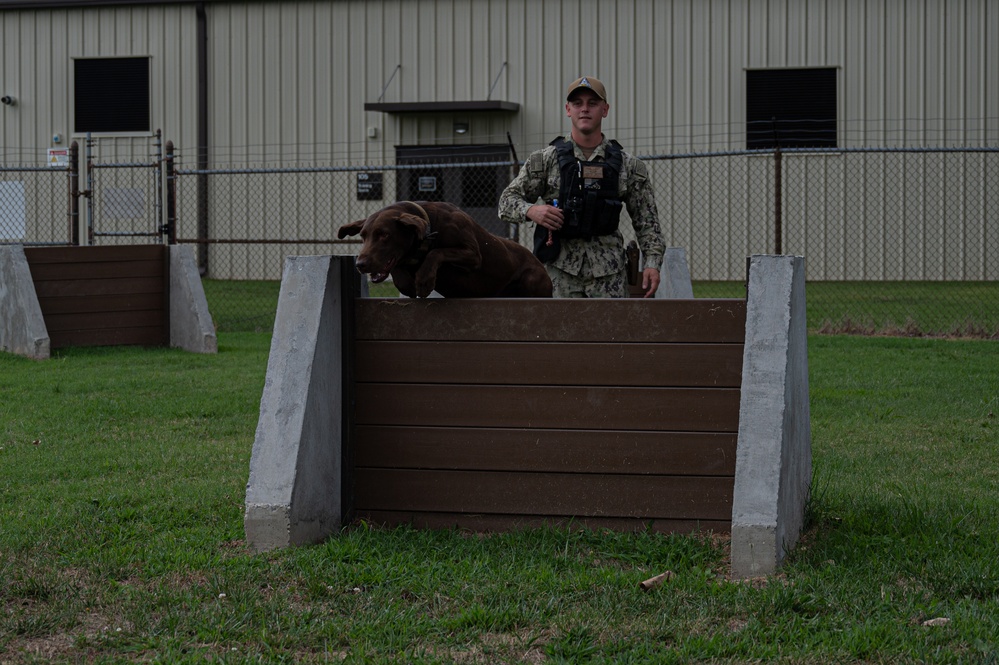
<point x="387" y="237"/>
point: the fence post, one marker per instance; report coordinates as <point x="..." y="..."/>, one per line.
<point x="170" y="229"/>
<point x="778" y="212"/>
<point x="74" y="193"/>
<point x="202" y="197"/>
<point x="158" y="203"/>
<point x="89" y="192"/>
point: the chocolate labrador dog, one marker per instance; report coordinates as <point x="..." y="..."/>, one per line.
<point x="436" y="246"/>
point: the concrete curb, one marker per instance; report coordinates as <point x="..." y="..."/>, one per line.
<point x="774" y="457"/>
<point x="674" y="276"/>
<point x="191" y="326"/>
<point x="293" y="495"/>
<point x="22" y="328"/>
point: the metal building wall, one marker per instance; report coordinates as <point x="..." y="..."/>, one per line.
<point x="288" y="82"/>
<point x="38" y="49"/>
<point x="289" y="79"/>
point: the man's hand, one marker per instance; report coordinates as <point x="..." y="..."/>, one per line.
<point x="650" y="282"/>
<point x="547" y="216"/>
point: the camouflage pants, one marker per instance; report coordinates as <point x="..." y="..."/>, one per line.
<point x="565" y="285"/>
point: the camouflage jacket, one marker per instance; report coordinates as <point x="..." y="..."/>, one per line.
<point x="603" y="255"/>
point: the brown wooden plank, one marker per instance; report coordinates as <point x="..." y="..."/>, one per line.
<point x="564" y="320"/>
<point x="111" y="303"/>
<point x="42" y="255"/>
<point x="98" y="287"/>
<point x="104" y="320"/>
<point x="658" y="409"/>
<point x="494" y="523"/>
<point x="550" y="363"/>
<point x="563" y="451"/>
<point x="105" y="270"/>
<point x="98" y="296"/>
<point x="554" y="494"/>
<point x="108" y="337"/>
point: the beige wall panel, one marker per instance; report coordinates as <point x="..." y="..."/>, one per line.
<point x="288" y="82"/>
<point x="38" y="52"/>
<point x="289" y="79"/>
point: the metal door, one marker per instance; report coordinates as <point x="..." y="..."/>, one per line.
<point x="471" y="177"/>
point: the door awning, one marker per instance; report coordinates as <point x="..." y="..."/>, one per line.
<point x="442" y="107"/>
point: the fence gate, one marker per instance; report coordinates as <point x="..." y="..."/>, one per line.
<point x="124" y="198"/>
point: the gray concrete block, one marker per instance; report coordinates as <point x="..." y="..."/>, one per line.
<point x="294" y="491"/>
<point x="774" y="459"/>
<point x="22" y="328"/>
<point x="674" y="276"/>
<point x="191" y="326"/>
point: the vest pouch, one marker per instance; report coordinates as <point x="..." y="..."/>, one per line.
<point x="546" y="253"/>
<point x="600" y="215"/>
<point x="609" y="217"/>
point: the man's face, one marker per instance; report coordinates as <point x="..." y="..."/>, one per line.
<point x="586" y="110"/>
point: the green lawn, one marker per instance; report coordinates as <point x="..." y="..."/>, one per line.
<point x="901" y="308"/>
<point x="897" y="308"/>
<point x="123" y="472"/>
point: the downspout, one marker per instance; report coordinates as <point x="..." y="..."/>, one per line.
<point x="202" y="38"/>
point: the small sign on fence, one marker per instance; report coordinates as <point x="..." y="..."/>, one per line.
<point x="369" y="186"/>
<point x="58" y="157"/>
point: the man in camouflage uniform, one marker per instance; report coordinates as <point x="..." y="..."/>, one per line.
<point x="595" y="266"/>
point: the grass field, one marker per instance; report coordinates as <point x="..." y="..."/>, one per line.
<point x="965" y="309"/>
<point x="123" y="472"/>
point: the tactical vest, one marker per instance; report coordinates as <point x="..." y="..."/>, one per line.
<point x="588" y="192"/>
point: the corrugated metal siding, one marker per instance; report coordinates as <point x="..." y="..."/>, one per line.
<point x="909" y="73"/>
<point x="288" y="82"/>
<point x="291" y="78"/>
<point x="38" y="51"/>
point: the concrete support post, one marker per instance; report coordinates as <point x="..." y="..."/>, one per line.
<point x="294" y="494"/>
<point x="674" y="276"/>
<point x="773" y="468"/>
<point x="191" y="326"/>
<point x="22" y="328"/>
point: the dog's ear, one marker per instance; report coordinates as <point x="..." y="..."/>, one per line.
<point x="351" y="229"/>
<point x="416" y="223"/>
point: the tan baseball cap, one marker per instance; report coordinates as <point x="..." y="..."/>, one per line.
<point x="589" y="83"/>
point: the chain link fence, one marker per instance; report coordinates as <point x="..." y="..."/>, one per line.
<point x="896" y="240"/>
<point x="36" y="205"/>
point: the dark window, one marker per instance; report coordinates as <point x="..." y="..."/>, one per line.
<point x="111" y="95"/>
<point x="793" y="107"/>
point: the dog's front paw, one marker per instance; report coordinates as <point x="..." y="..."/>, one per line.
<point x="426" y="280"/>
<point x="424" y="289"/>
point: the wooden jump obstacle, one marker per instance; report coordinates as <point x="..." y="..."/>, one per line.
<point x="497" y="414"/>
<point x="56" y="297"/>
<point x="103" y="296"/>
